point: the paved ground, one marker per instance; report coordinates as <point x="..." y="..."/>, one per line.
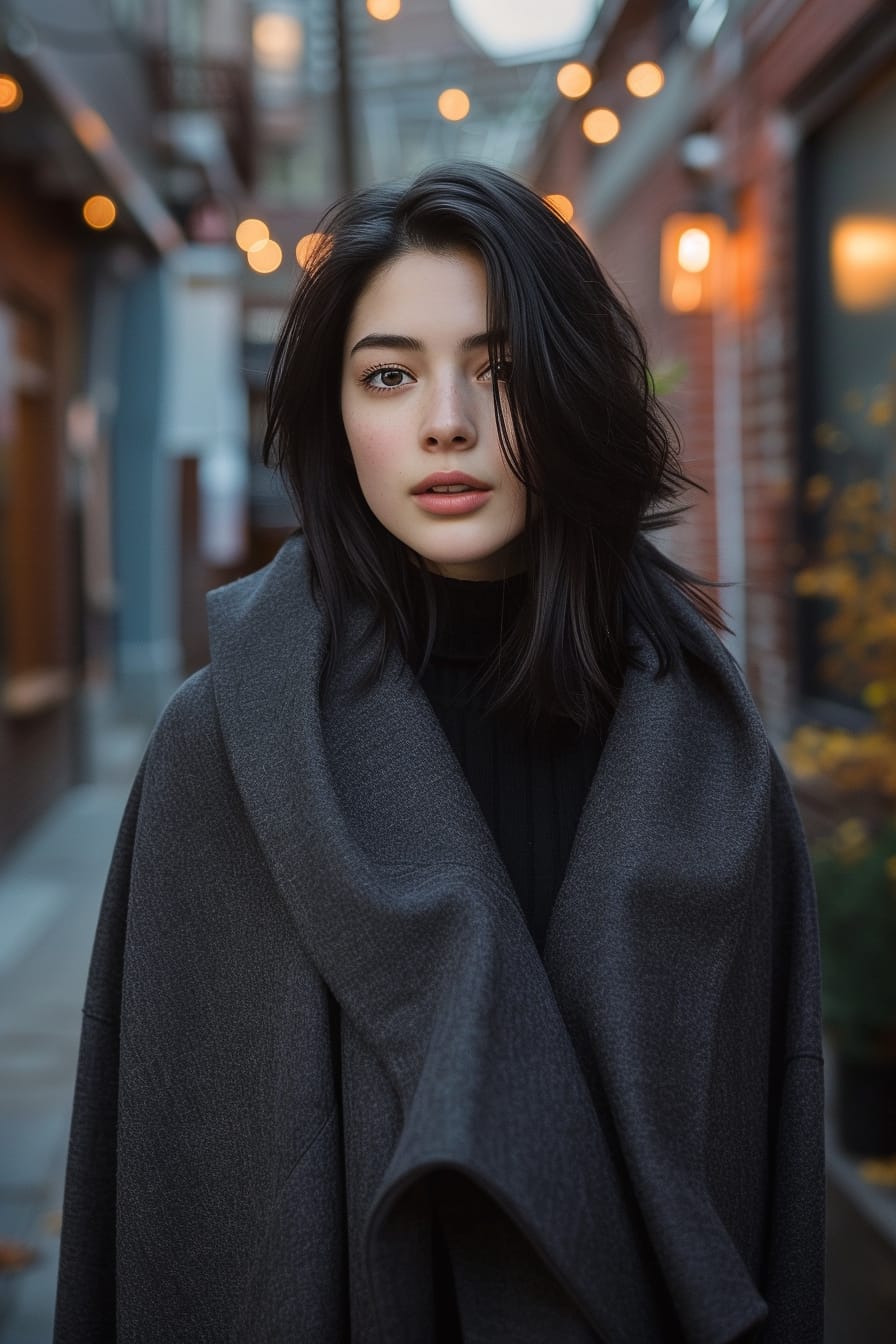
<point x="50" y="889"/>
<point x="860" y="1300"/>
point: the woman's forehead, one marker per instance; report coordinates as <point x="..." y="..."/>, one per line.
<point x="424" y="296"/>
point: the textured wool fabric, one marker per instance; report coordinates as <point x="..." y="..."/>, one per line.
<point x="316" y="1022"/>
<point x="530" y="787"/>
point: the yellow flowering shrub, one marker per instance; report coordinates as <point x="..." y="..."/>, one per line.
<point x="856" y="572"/>
<point x="855" y="863"/>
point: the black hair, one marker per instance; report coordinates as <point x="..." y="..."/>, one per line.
<point x="580" y="427"/>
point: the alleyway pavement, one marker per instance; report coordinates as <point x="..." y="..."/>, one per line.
<point x="50" y="890"/>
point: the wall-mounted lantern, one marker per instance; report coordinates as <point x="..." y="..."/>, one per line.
<point x="693" y="262"/>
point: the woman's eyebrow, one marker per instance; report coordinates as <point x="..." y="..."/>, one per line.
<point x="384" y="340"/>
<point x="389" y="342"/>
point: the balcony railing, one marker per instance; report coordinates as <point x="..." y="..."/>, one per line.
<point x="188" y="83"/>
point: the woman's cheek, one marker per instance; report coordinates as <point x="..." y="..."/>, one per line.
<point x="374" y="461"/>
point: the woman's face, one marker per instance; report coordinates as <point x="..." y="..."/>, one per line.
<point x="417" y="399"/>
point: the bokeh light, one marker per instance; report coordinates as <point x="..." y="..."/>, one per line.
<point x="863" y="261"/>
<point x="561" y="204"/>
<point x="694" y="276"/>
<point x="384" y="10"/>
<point x="99" y="212"/>
<point x="694" y="250"/>
<point x="264" y="256"/>
<point x="600" y="125"/>
<point x="574" y="80"/>
<point x="687" y="292"/>
<point x="453" y="104"/>
<point x="313" y="246"/>
<point x="10" y="93"/>
<point x="277" y="40"/>
<point x="645" y="79"/>
<point x="251" y="231"/>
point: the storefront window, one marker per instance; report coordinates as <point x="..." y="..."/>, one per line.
<point x="848" y="396"/>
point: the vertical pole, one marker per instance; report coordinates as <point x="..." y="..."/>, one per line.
<point x="344" y="111"/>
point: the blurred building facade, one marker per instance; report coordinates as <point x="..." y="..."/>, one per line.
<point x="133" y="355"/>
<point x="134" y="136"/>
<point x="122" y="127"/>
<point x="64" y="292"/>
<point x="776" y="118"/>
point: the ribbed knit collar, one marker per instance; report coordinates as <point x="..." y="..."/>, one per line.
<point x="471" y="614"/>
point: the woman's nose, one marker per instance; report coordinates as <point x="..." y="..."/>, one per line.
<point x="448" y="417"/>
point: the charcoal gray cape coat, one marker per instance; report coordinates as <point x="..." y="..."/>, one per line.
<point x="316" y="1020"/>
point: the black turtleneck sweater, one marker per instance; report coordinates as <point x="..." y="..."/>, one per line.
<point x="530" y="789"/>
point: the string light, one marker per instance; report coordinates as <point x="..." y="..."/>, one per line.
<point x="574" y="80"/>
<point x="312" y="247"/>
<point x="264" y="256"/>
<point x="600" y="125"/>
<point x="278" y="41"/>
<point x="99" y="212"/>
<point x="10" y="94"/>
<point x="562" y="205"/>
<point x="251" y="231"/>
<point x="645" y="79"/>
<point x="384" y="10"/>
<point x="453" y="104"/>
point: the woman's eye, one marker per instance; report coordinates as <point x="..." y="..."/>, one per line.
<point x="500" y="370"/>
<point x="382" y="379"/>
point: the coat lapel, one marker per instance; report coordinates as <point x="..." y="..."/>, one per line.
<point x="546" y="1084"/>
<point x="667" y="860"/>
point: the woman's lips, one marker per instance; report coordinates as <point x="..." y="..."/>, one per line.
<point x="466" y="501"/>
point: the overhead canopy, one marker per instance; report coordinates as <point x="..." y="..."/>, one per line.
<point x="519" y="30"/>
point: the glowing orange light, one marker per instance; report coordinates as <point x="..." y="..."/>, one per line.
<point x="453" y="104"/>
<point x="863" y="261"/>
<point x="311" y="249"/>
<point x="574" y="80"/>
<point x="99" y="212"/>
<point x="693" y="253"/>
<point x="251" y="231"/>
<point x="694" y="250"/>
<point x="687" y="291"/>
<point x="562" y="204"/>
<point x="264" y="256"/>
<point x="10" y="93"/>
<point x="278" y="41"/>
<point x="645" y="79"/>
<point x="384" y="10"/>
<point x="600" y="125"/>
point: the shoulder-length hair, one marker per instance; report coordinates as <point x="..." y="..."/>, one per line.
<point x="580" y="427"/>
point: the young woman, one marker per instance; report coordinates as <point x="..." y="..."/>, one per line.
<point x="457" y="973"/>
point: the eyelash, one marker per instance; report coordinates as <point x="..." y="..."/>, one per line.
<point x="368" y="375"/>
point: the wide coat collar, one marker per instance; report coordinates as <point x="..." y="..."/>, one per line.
<point x="573" y="1090"/>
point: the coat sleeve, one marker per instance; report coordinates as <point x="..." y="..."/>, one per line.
<point x="85" y="1299"/>
<point x="794" y="1279"/>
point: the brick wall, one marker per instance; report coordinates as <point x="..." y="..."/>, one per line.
<point x="629" y="250"/>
